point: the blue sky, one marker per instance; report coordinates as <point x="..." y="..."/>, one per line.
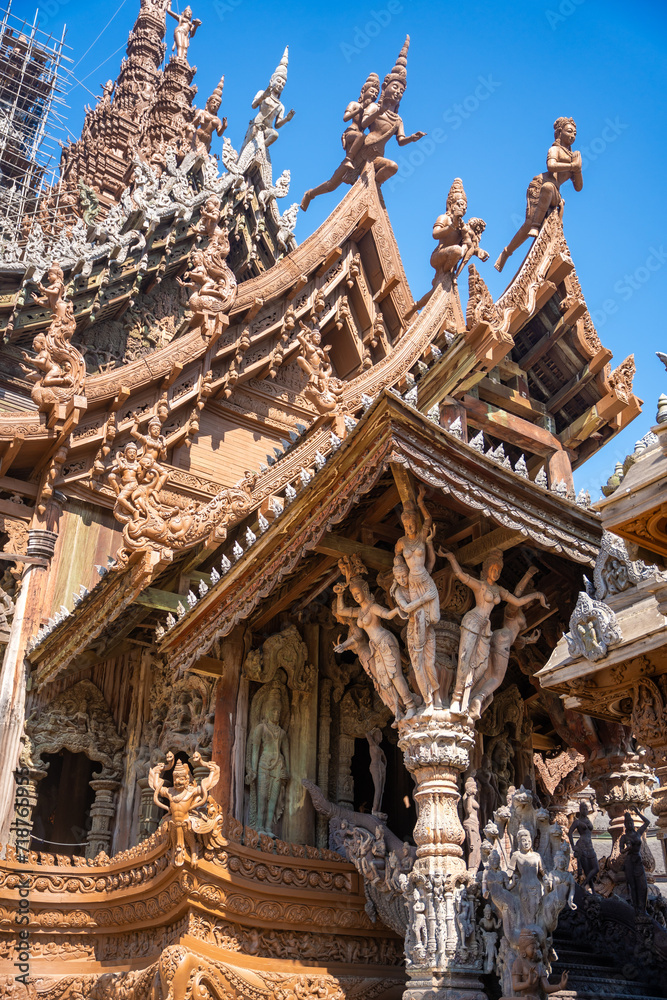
<point x="486" y="81"/>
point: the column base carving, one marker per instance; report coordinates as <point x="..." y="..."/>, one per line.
<point x="455" y="984"/>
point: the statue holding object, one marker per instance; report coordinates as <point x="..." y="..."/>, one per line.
<point x="458" y="241"/>
<point x="475" y="642"/>
<point x="543" y="194"/>
<point x="352" y="139"/>
<point x="382" y="121"/>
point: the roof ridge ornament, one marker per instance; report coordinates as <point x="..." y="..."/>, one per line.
<point x="375" y="111"/>
<point x="543" y="193"/>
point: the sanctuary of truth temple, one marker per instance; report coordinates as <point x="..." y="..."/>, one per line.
<point x="312" y="662"/>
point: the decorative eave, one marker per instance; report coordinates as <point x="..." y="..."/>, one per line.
<point x="637" y="509"/>
<point x="393" y="432"/>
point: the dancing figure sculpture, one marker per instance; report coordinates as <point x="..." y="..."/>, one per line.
<point x="385" y="666"/>
<point x="475" y="642"/>
<point x="382" y="121"/>
<point x="184" y="32"/>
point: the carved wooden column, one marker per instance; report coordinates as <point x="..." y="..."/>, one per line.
<point x="27" y="619"/>
<point x="324" y="755"/>
<point x="436" y="751"/>
<point x="621" y="783"/>
<point x="224" y="733"/>
<point x="149" y="814"/>
<point x="102" y="813"/>
<point x="24" y="806"/>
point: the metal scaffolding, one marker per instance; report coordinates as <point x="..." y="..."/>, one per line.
<point x="31" y="106"/>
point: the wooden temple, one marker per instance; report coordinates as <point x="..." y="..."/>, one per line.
<point x="288" y="561"/>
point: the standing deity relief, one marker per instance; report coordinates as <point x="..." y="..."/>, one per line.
<point x="268" y="754"/>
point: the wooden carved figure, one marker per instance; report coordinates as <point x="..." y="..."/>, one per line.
<point x="182" y="799"/>
<point x="543" y="194"/>
<point x="583" y="850"/>
<point x="386" y="663"/>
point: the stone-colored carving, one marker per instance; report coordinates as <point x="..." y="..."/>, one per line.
<point x="528" y="897"/>
<point x="543" y="194"/>
<point x="323" y="390"/>
<point x="488" y="794"/>
<point x="206" y="121"/>
<point x="614" y="571"/>
<point x="635" y="874"/>
<point x="267" y="758"/>
<point x="471" y="825"/>
<point x="270" y="117"/>
<point x="489" y="926"/>
<point x="385" y="666"/>
<point x="416" y="595"/>
<point x="378" y="768"/>
<point x="181" y="800"/>
<point x="352" y="139"/>
<point x="594" y="629"/>
<point x="377" y="854"/>
<point x="60" y="367"/>
<point x="528" y="978"/>
<point x="502" y="640"/>
<point x="184" y="32"/>
<point x="458" y="241"/>
<point x="583" y="850"/>
<point x="475" y="644"/>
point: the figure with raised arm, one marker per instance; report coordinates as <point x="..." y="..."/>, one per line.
<point x="543" y="194"/>
<point x="502" y="640"/>
<point x="635" y="873"/>
<point x="583" y="850"/>
<point x="182" y="798"/>
<point x="271" y="111"/>
<point x="386" y="663"/>
<point x="352" y="139"/>
<point x="382" y="121"/>
<point x="184" y="32"/>
<point x="206" y="122"/>
<point x="475" y="641"/>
